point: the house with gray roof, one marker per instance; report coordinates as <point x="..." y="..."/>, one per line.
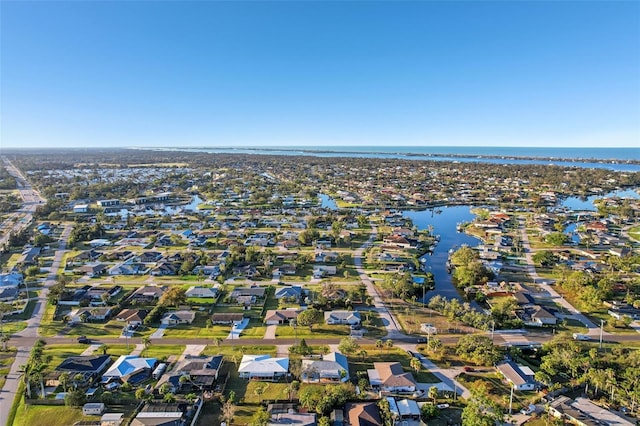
<point x="342" y="317"/>
<point x="332" y="368"/>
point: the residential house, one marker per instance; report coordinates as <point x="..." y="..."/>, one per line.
<point x="165" y="268"/>
<point x="178" y="317"/>
<point x="89" y="366"/>
<point x="29" y="256"/>
<point x="8" y="294"/>
<point x="541" y="316"/>
<point x="89" y="315"/>
<point x="80" y="208"/>
<point x="263" y="367"/>
<point x="132" y="316"/>
<point x="93" y="270"/>
<point x="280" y="316"/>
<point x="297" y="419"/>
<point x="515" y="375"/>
<point x="362" y="414"/>
<point x="148" y="293"/>
<point x="203" y="292"/>
<point x="342" y="317"/>
<point x="161" y="414"/>
<point x="202" y="373"/>
<point x="130" y="368"/>
<point x="320" y="271"/>
<point x="332" y="368"/>
<point x="227" y="318"/>
<point x="12" y="279"/>
<point x="292" y="292"/>
<point x="583" y="412"/>
<point x="391" y="377"/>
<point x="93" y="409"/>
<point x="255" y="291"/>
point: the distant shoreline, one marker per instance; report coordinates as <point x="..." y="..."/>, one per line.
<point x="430" y="155"/>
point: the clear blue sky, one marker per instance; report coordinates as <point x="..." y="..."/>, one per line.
<point x="115" y="73"/>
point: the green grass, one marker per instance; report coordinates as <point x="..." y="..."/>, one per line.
<point x="162" y="352"/>
<point x="55" y="415"/>
<point x="237" y="351"/>
<point x="358" y="364"/>
<point x="319" y="331"/>
<point x="256" y="392"/>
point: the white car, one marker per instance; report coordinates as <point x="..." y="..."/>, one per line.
<point x="529" y="410"/>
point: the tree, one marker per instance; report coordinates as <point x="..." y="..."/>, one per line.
<point x="557" y="238"/>
<point x="478" y="349"/>
<point x="415" y="364"/>
<point x="480" y="409"/>
<point x="146" y="342"/>
<point x="141" y="394"/>
<point x="348" y="345"/>
<point x="388" y="344"/>
<point x="174" y="296"/>
<point x="433" y="394"/>
<point x="429" y="411"/>
<point x="544" y="258"/>
<point x="107" y="397"/>
<point x="261" y="417"/>
<point x="309" y="317"/>
<point x="228" y="410"/>
<point x="75" y="398"/>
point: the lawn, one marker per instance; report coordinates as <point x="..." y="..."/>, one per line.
<point x="198" y="329"/>
<point x="6" y="359"/>
<point x="357" y="363"/>
<point x="55" y="354"/>
<point x="319" y="331"/>
<point x="55" y="415"/>
<point x="162" y="352"/>
<point x="230" y="351"/>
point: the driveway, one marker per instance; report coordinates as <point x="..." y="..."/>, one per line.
<point x="271" y="332"/>
<point x="237" y="329"/>
<point x="159" y="332"/>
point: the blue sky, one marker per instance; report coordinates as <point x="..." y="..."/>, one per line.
<point x="116" y="73"/>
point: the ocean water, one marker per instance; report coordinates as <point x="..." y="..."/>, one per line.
<point x="610" y="158"/>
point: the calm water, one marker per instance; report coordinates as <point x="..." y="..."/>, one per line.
<point x="601" y="157"/>
<point x="444" y="224"/>
<point x="327" y="202"/>
<point x="576" y="203"/>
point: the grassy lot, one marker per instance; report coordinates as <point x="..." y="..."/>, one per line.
<point x="55" y="415"/>
<point x="257" y="391"/>
<point x="319" y="331"/>
<point x="198" y="328"/>
<point x="55" y="354"/>
<point x="255" y="330"/>
<point x="230" y="351"/>
<point x="6" y="359"/>
<point x="448" y="416"/>
<point x="357" y="363"/>
<point x="635" y="233"/>
<point x="498" y="390"/>
<point x="162" y="352"/>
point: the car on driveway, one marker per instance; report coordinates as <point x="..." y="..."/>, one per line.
<point x="528" y="410"/>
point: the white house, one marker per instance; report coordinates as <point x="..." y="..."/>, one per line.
<point x="202" y="292"/>
<point x="332" y="368"/>
<point x="514" y="375"/>
<point x="178" y="317"/>
<point x="263" y="367"/>
<point x="93" y="409"/>
<point x="342" y="317"/>
<point x="390" y="377"/>
<point x="80" y="208"/>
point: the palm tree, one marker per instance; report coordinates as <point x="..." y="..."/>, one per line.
<point x="26" y="377"/>
<point x="415" y="364"/>
<point x="388" y="344"/>
<point x="64" y="380"/>
<point x="379" y="344"/>
<point x="146" y="342"/>
<point x="433" y="393"/>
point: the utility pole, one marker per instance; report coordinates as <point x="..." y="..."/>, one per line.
<point x="511" y="400"/>
<point x="601" y="327"/>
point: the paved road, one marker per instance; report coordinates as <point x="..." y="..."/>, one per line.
<point x="531" y="270"/>
<point x="19" y="220"/>
<point x="31" y="200"/>
<point x="388" y="320"/>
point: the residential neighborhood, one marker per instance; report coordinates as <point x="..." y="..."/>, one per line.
<point x="200" y="299"/>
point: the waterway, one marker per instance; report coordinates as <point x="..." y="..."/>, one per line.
<point x="586" y="203"/>
<point x="327" y="202"/>
<point x="444" y="221"/>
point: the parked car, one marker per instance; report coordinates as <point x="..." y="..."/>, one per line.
<point x="467" y="369"/>
<point x="83" y="339"/>
<point x="528" y="410"/>
<point x="441" y="406"/>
